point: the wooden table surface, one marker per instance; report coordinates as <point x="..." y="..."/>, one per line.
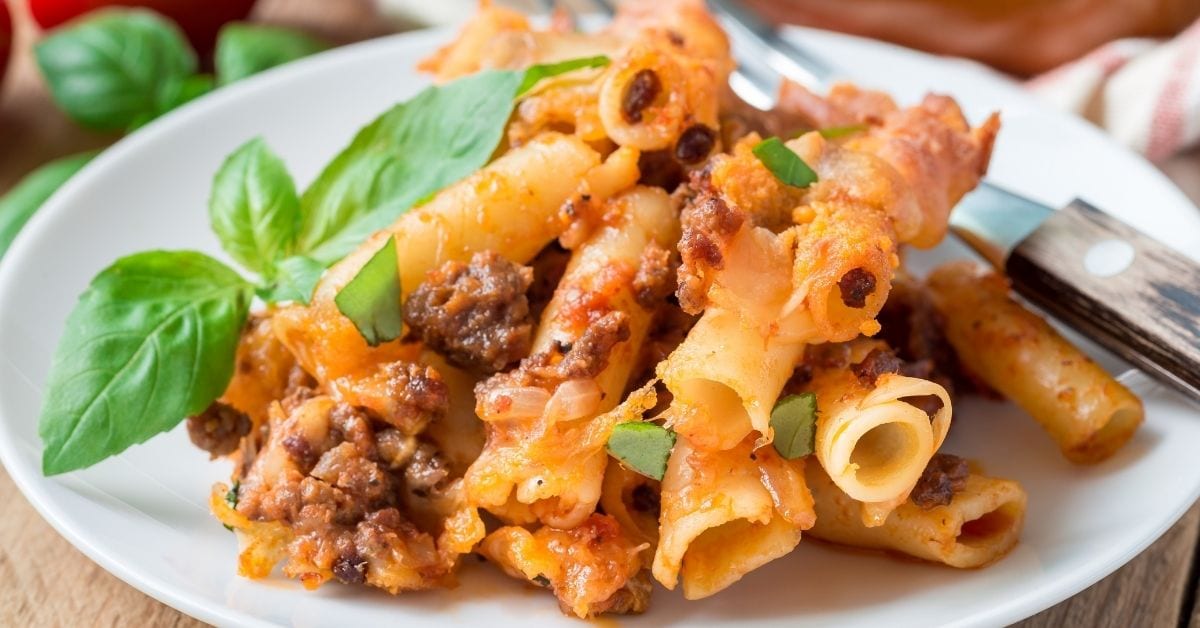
<point x="50" y="583"/>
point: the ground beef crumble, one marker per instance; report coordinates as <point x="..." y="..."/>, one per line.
<point x="707" y="223"/>
<point x="342" y="495"/>
<point x="944" y="476"/>
<point x="587" y="357"/>
<point x="218" y="429"/>
<point x="855" y="286"/>
<point x="548" y="269"/>
<point x="913" y="327"/>
<point x="876" y="363"/>
<point x="407" y="395"/>
<point x="653" y="282"/>
<point x="476" y="314"/>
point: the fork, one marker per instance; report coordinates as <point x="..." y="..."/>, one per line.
<point x="1142" y="303"/>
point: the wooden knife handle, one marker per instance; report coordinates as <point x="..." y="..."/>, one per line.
<point x="1132" y="294"/>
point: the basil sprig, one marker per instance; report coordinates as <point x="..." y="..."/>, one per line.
<point x="295" y="279"/>
<point x="246" y="49"/>
<point x="254" y="208"/>
<point x="20" y="203"/>
<point x="785" y="164"/>
<point x="119" y="68"/>
<point x="794" y="420"/>
<point x="372" y="299"/>
<point x="153" y="339"/>
<point x="642" y="446"/>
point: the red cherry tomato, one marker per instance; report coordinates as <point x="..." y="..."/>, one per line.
<point x="199" y="19"/>
<point x="5" y="38"/>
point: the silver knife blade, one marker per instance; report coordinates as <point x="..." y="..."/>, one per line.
<point x="993" y="220"/>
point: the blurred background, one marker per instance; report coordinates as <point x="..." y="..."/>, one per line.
<point x="1130" y="66"/>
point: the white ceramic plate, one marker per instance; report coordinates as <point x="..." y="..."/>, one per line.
<point x="143" y="517"/>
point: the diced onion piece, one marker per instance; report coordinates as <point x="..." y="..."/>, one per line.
<point x="574" y="399"/>
<point x="521" y="402"/>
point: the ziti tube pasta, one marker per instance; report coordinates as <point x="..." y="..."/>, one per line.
<point x="726" y="513"/>
<point x="542" y="440"/>
<point x="872" y="443"/>
<point x="979" y="526"/>
<point x="1087" y="412"/>
<point x="725" y="378"/>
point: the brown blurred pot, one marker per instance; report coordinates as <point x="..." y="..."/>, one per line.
<point x="1019" y="36"/>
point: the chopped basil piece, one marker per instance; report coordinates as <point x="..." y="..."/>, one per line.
<point x="547" y="70"/>
<point x="834" y="132"/>
<point x="784" y="164"/>
<point x="642" y="447"/>
<point x="372" y="299"/>
<point x="231" y="498"/>
<point x="541" y="580"/>
<point x="794" y="419"/>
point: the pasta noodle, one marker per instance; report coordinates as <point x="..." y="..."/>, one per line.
<point x="633" y="500"/>
<point x="979" y="526"/>
<point x="725" y="378"/>
<point x="725" y="513"/>
<point x="555" y="558"/>
<point x="552" y="454"/>
<point x="1087" y="412"/>
<point x="677" y="47"/>
<point x="841" y="250"/>
<point x="511" y="206"/>
<point x="872" y="443"/>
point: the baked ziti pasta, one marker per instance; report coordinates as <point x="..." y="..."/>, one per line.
<point x="1087" y="412"/>
<point x="649" y="334"/>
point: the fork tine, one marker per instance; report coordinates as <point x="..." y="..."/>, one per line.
<point x="773" y="50"/>
<point x="559" y="10"/>
<point x="606" y="7"/>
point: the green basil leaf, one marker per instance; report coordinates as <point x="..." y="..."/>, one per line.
<point x="372" y="299"/>
<point x="247" y="49"/>
<point x="834" y="132"/>
<point x="182" y="91"/>
<point x="547" y="70"/>
<point x="643" y="447"/>
<point x="231" y="498"/>
<point x="794" y="419"/>
<point x="295" y="280"/>
<point x="786" y="165"/>
<point x="116" y="68"/>
<point x="416" y="148"/>
<point x="254" y="208"/>
<point x="21" y="202"/>
<point x="410" y="153"/>
<point x="151" y="341"/>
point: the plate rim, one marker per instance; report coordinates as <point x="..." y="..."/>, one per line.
<point x="25" y="476"/>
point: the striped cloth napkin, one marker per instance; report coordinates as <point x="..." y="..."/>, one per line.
<point x="1144" y="92"/>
